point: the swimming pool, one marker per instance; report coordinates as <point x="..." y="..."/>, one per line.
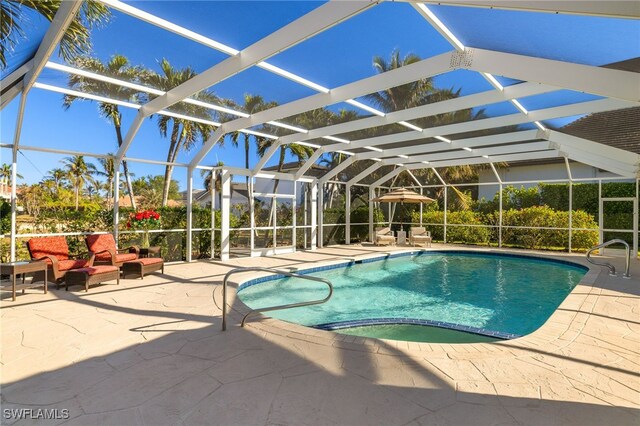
<point x="499" y="295"/>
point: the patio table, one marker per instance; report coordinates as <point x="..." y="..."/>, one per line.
<point x="21" y="268"/>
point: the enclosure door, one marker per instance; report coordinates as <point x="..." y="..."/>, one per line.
<point x="619" y="219"/>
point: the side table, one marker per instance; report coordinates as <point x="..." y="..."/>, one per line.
<point x="153" y="251"/>
<point x="402" y="238"/>
<point x="20" y="268"/>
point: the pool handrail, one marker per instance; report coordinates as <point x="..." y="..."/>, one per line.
<point x="271" y="308"/>
<point x="612" y="269"/>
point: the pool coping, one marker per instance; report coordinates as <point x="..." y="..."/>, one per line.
<point x="559" y="330"/>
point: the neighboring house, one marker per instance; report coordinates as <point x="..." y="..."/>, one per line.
<point x="5" y="190"/>
<point x="202" y="197"/>
<point x="618" y="129"/>
<point x="240" y="194"/>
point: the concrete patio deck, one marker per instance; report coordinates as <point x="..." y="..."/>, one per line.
<point x="151" y="352"/>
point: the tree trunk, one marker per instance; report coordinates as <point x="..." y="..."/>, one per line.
<point x="127" y="178"/>
<point x="77" y="193"/>
<point x="174" y="147"/>
<point x="275" y="191"/>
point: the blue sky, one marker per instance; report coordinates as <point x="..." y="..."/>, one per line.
<point x="339" y="55"/>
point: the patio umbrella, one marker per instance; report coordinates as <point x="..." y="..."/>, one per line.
<point x="403" y="195"/>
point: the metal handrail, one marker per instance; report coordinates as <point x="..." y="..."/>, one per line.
<point x="612" y="269"/>
<point x="272" y="308"/>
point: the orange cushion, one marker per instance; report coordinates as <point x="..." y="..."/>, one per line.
<point x="100" y="269"/>
<point x="125" y="257"/>
<point x="148" y="260"/>
<point x="65" y="265"/>
<point x="52" y="246"/>
<point x="100" y="242"/>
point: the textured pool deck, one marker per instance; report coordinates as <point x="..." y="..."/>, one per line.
<point x="151" y="352"/>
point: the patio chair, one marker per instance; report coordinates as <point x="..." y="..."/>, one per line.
<point x="385" y="236"/>
<point x="55" y="252"/>
<point x="419" y="235"/>
<point x="107" y="253"/>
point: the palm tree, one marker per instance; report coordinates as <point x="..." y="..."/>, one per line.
<point x="75" y="41"/>
<point x="118" y="67"/>
<point x="207" y="175"/>
<point x="252" y="104"/>
<point x="423" y="92"/>
<point x="108" y="172"/>
<point x="79" y="172"/>
<point x="57" y="176"/>
<point x="301" y="152"/>
<point x="404" y="96"/>
<point x="5" y="173"/>
<point x="183" y="134"/>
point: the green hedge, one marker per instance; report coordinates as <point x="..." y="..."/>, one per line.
<point x="534" y="216"/>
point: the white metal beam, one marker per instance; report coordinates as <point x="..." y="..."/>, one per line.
<point x="366" y="172"/>
<point x="600" y="162"/>
<point x="389" y="175"/>
<point x="488" y="123"/>
<point x="594" y="148"/>
<point x="477" y="142"/>
<point x="337" y="169"/>
<point x="309" y="162"/>
<point x="10" y="95"/>
<point x="499" y="150"/>
<point x="599" y="81"/>
<point x="451" y="105"/>
<point x="15" y="75"/>
<point x="481" y="160"/>
<point x="609" y="8"/>
<point x="297" y="31"/>
<point x="63" y="17"/>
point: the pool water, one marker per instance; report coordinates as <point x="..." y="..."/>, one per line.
<point x="416" y="333"/>
<point x="486" y="292"/>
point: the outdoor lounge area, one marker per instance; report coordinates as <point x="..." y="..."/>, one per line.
<point x="342" y="212"/>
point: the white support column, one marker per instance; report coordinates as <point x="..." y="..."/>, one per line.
<point x="444" y="185"/>
<point x="212" y="192"/>
<point x="372" y="195"/>
<point x="14" y="204"/>
<point x="600" y="215"/>
<point x="446" y="191"/>
<point x="314" y="215"/>
<point x="294" y="220"/>
<point x="14" y="174"/>
<point x="421" y="204"/>
<point x="189" y="244"/>
<point x="636" y="218"/>
<point x="499" y="179"/>
<point x="347" y="214"/>
<point x="500" y="218"/>
<point x="320" y="214"/>
<point x="252" y="213"/>
<point x="566" y="162"/>
<point x="116" y="201"/>
<point x="225" y="211"/>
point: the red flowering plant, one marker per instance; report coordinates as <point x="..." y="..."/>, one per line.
<point x="145" y="220"/>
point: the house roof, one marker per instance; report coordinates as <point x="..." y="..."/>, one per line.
<point x="619" y="129"/>
<point x="315" y="170"/>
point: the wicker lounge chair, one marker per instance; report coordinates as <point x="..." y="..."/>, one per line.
<point x="106" y="251"/>
<point x="384" y="236"/>
<point x="55" y="252"/>
<point x="419" y="235"/>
